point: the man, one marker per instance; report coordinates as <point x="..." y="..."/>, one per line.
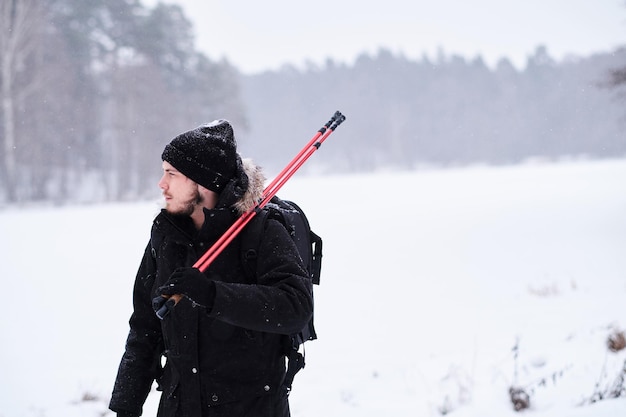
<point x="224" y="340"/>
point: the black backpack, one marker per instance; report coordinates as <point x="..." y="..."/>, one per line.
<point x="309" y="246"/>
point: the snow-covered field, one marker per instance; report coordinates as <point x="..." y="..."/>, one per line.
<point x="440" y="290"/>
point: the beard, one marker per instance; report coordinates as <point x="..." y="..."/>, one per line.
<point x="186" y="207"/>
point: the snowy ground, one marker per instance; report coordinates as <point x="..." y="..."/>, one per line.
<point x="430" y="281"/>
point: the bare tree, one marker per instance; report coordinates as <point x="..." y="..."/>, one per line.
<point x="18" y="33"/>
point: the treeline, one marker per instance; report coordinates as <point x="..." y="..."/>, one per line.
<point x="91" y="91"/>
<point x="449" y="111"/>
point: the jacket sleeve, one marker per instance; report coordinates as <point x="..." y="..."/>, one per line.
<point x="141" y="361"/>
<point x="282" y="299"/>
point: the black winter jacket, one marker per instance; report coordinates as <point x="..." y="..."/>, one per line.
<point x="233" y="352"/>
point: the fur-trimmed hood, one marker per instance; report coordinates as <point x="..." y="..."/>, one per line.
<point x="256" y="185"/>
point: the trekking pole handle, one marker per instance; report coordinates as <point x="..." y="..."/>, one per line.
<point x="165" y="308"/>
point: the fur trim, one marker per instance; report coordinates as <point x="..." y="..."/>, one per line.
<point x="256" y="185"/>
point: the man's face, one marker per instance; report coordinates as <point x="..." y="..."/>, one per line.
<point x="181" y="194"/>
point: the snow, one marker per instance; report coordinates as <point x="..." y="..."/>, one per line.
<point x="440" y="290"/>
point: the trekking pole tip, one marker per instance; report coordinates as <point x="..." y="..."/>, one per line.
<point x="329" y="123"/>
<point x="340" y="119"/>
<point x="332" y="120"/>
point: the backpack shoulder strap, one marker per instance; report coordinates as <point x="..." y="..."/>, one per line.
<point x="250" y="242"/>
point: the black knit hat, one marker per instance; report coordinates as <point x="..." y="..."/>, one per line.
<point x="206" y="154"/>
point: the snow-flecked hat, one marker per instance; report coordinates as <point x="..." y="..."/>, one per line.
<point x="207" y="154"/>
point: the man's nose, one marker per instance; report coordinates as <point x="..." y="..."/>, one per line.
<point x="162" y="183"/>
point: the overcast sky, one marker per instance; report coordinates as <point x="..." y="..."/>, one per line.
<point x="260" y="35"/>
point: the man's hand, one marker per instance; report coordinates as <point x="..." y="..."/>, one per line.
<point x="191" y="283"/>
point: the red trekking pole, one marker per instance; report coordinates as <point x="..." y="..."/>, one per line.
<point x="270" y="191"/>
